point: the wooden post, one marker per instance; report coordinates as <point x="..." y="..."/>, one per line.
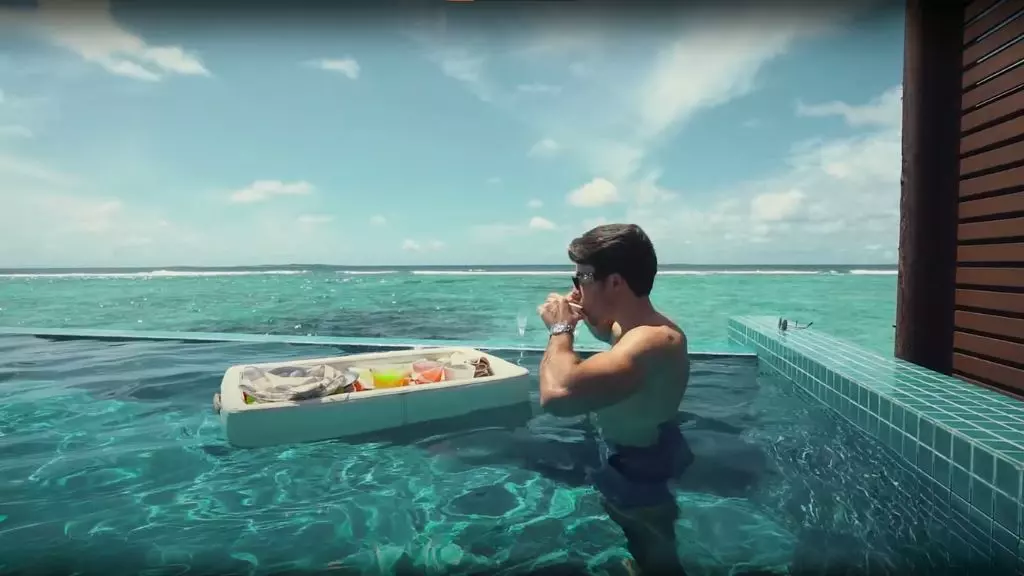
<point x="928" y="205"/>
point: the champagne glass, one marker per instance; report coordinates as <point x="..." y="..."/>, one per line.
<point x="521" y="320"/>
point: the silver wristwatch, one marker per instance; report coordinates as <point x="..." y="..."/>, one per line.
<point x="562" y="328"/>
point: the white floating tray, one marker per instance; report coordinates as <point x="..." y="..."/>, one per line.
<point x="355" y="413"/>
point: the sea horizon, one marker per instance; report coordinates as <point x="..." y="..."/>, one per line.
<point x="294" y="268"/>
<point x="480" y="303"/>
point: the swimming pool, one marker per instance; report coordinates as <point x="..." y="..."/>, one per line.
<point x="114" y="463"/>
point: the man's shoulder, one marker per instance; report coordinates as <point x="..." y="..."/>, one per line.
<point x="648" y="340"/>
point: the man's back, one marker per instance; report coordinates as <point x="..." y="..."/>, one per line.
<point x="636" y="420"/>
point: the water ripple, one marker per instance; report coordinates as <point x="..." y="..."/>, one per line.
<point x="99" y="476"/>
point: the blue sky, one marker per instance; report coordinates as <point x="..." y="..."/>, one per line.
<point x="741" y="136"/>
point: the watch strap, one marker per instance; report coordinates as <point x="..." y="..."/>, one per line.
<point x="561" y="328"/>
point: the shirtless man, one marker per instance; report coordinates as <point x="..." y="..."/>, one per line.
<point x="633" y="389"/>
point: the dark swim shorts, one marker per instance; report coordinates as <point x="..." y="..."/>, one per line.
<point x="638" y="477"/>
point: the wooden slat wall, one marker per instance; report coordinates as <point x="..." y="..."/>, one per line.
<point x="988" y="344"/>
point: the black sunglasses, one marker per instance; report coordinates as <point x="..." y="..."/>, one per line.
<point x="580" y="277"/>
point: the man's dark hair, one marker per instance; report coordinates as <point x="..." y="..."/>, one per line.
<point x="622" y="249"/>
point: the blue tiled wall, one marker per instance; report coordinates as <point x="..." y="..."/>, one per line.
<point x="966" y="442"/>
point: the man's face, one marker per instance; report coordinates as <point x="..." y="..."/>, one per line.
<point x="589" y="292"/>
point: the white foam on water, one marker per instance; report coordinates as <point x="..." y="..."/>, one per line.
<point x="874" y="272"/>
<point x="660" y="273"/>
<point x="156" y="274"/>
<point x="473" y="272"/>
<point x="741" y="272"/>
<point x="466" y="272"/>
<point x="751" y="272"/>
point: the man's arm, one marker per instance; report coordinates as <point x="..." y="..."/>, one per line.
<point x="570" y="386"/>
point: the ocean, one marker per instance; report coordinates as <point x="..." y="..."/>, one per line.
<point x="484" y="304"/>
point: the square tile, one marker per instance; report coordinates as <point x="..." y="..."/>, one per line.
<point x="962" y="452"/>
<point x="941" y="470"/>
<point x="960" y="482"/>
<point x="1008" y="478"/>
<point x="926" y="432"/>
<point x="1007" y="513"/>
<point x="982" y="497"/>
<point x="943" y="442"/>
<point x="982" y="464"/>
<point x="966" y="443"/>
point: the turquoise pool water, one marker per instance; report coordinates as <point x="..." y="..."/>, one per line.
<point x="114" y="463"/>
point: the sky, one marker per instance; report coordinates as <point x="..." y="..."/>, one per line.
<point x="447" y="134"/>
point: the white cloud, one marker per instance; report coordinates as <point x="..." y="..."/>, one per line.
<point x="463" y="65"/>
<point x="544" y="148"/>
<point x="410" y="245"/>
<point x="883" y="110"/>
<point x="611" y="115"/>
<point x="51" y="219"/>
<point x="262" y="190"/>
<point x="597" y="192"/>
<point x="501" y="231"/>
<point x="832" y="197"/>
<point x="314" y="219"/>
<point x="92" y="216"/>
<point x="20" y="169"/>
<point x="647" y="191"/>
<point x="711" y="64"/>
<point x="776" y="206"/>
<point x="347" y="66"/>
<point x="378" y="220"/>
<point x="535" y="204"/>
<point x="87" y="28"/>
<point x="538" y="223"/>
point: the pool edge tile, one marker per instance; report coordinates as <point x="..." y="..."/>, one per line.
<point x="964" y="440"/>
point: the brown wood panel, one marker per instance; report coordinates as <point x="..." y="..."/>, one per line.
<point x="991" y="253"/>
<point x="992" y="347"/>
<point x="1011" y="392"/>
<point x="994" y="206"/>
<point x="994" y="182"/>
<point x="1000" y="277"/>
<point x="1004" y="302"/>
<point x="989" y="324"/>
<point x="992" y="111"/>
<point x="932" y="49"/>
<point x="988" y="44"/>
<point x="992" y="135"/>
<point x="990" y="89"/>
<point x="989" y="21"/>
<point x="1004" y="59"/>
<point x="972" y="9"/>
<point x="1010" y="228"/>
<point x="1010" y="154"/>
<point x="997" y="373"/>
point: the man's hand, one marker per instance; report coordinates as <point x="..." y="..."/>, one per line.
<point x="556" y="309"/>
<point x="606" y="332"/>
